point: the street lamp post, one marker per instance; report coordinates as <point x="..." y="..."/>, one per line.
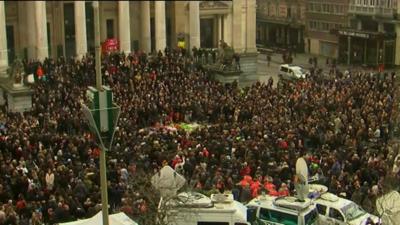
<point x="103" y="175"/>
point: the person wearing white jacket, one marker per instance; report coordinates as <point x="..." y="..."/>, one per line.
<point x="49" y="180"/>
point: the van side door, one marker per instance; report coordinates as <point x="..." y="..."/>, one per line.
<point x="336" y="217"/>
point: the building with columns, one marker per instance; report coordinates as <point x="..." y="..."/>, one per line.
<point x="38" y="29"/>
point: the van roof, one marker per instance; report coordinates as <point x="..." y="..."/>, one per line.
<point x="286" y="203"/>
<point x="291" y="66"/>
<point x="194" y="201"/>
<point x="332" y="200"/>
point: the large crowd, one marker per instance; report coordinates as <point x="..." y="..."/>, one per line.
<point x="247" y="143"/>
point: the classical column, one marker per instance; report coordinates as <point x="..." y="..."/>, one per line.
<point x="80" y="29"/>
<point x="145" y="43"/>
<point x="228" y="29"/>
<point x="3" y="42"/>
<point x="161" y="40"/>
<point x="219" y="17"/>
<point x="30" y="33"/>
<point x="124" y="26"/>
<point x="237" y="41"/>
<point x="251" y="26"/>
<point x="42" y="50"/>
<point x="194" y="18"/>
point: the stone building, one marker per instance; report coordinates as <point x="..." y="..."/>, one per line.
<point x="280" y="24"/>
<point x="323" y="17"/>
<point x="38" y="29"/>
<point x="370" y="37"/>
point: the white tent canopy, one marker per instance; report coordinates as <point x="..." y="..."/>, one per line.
<point x="115" y="219"/>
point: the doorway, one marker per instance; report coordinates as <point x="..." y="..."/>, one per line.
<point x="10" y="43"/>
<point x="89" y="26"/>
<point x="206" y="33"/>
<point x="69" y="29"/>
<point x="110" y="28"/>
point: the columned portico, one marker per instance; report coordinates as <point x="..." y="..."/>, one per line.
<point x="124" y="26"/>
<point x="3" y="42"/>
<point x="80" y="29"/>
<point x="161" y="37"/>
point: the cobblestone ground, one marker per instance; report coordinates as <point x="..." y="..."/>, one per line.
<point x="265" y="72"/>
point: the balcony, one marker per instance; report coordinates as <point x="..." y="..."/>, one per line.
<point x="373" y="10"/>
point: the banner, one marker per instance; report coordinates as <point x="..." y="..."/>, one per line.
<point x="110" y="45"/>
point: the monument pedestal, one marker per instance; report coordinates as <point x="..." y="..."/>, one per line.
<point x="226" y="75"/>
<point x="248" y="64"/>
<point x="19" y="98"/>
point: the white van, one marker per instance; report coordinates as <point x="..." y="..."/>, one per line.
<point x="291" y="72"/>
<point x="334" y="210"/>
<point x="192" y="208"/>
<point x="284" y="210"/>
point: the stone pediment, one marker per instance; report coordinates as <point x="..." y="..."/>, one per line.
<point x="204" y="5"/>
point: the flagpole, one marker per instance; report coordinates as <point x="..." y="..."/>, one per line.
<point x="103" y="175"/>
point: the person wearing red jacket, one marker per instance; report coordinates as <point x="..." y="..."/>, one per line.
<point x="39" y="72"/>
<point x="255" y="188"/>
<point x="283" y="190"/>
<point x="270" y="187"/>
<point x="246" y="170"/>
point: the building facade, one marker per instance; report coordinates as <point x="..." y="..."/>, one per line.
<point x="323" y="17"/>
<point x="370" y="37"/>
<point x="38" y="29"/>
<point x="281" y="24"/>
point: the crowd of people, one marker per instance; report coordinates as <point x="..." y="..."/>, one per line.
<point x="247" y="143"/>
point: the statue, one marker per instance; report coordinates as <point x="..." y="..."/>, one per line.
<point x="17" y="73"/>
<point x="226" y="54"/>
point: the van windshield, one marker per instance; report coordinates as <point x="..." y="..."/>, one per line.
<point x="353" y="211"/>
<point x="311" y="218"/>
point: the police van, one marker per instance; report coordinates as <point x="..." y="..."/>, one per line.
<point x="284" y="210"/>
<point x="334" y="210"/>
<point x="291" y="72"/>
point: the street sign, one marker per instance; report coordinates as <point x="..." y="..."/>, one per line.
<point x="102" y="115"/>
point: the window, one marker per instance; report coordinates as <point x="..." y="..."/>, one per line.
<point x="335" y="214"/>
<point x="278" y="217"/>
<point x="311" y="217"/>
<point x="321" y="209"/>
<point x="283" y="69"/>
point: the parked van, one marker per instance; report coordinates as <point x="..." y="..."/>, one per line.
<point x="334" y="210"/>
<point x="284" y="210"/>
<point x="192" y="208"/>
<point x="291" y="72"/>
